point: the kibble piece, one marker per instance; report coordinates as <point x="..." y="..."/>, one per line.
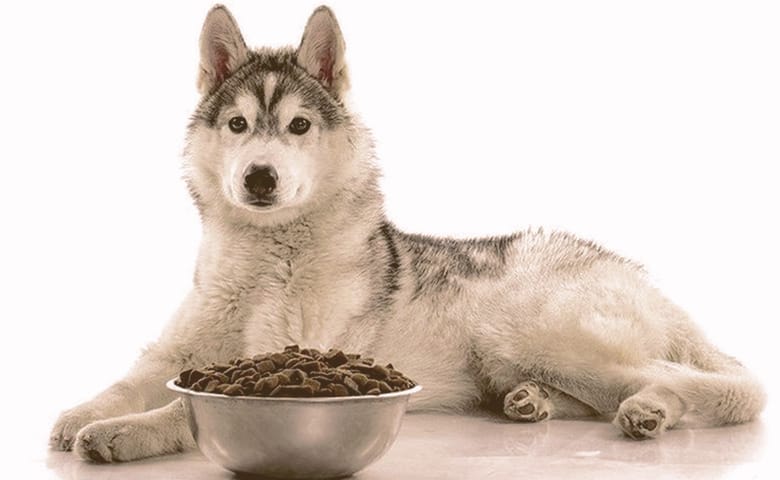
<point x="266" y="365"/>
<point x="370" y="384"/>
<point x="373" y="391"/>
<point x="314" y="384"/>
<point x="311" y="352"/>
<point x="339" y="390"/>
<point x="308" y="367"/>
<point x="360" y="379"/>
<point x="248" y="372"/>
<point x="279" y="359"/>
<point x="351" y="386"/>
<point x="325" y="392"/>
<point x="323" y="379"/>
<point x="196" y="375"/>
<point x="295" y="375"/>
<point x="396" y="382"/>
<point x="184" y="377"/>
<point x="335" y="358"/>
<point x="270" y="383"/>
<point x="380" y="372"/>
<point x="233" y="390"/>
<point x="283" y="378"/>
<point x="200" y="385"/>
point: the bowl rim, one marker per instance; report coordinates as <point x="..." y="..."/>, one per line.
<point x="171" y="385"/>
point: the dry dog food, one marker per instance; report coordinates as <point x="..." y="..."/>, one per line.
<point x="297" y="372"/>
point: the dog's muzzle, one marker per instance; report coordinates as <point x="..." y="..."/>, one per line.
<point x="260" y="183"/>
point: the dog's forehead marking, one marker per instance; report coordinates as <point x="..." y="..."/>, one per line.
<point x="269" y="86"/>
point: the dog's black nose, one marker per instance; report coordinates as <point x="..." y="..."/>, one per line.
<point x="260" y="181"/>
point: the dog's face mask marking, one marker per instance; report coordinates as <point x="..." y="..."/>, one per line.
<point x="269" y="155"/>
<point x="270" y="132"/>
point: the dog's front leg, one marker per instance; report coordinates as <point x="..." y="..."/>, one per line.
<point x="142" y="389"/>
<point x="119" y="399"/>
<point x="137" y="435"/>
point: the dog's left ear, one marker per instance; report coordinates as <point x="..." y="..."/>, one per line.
<point x="322" y="51"/>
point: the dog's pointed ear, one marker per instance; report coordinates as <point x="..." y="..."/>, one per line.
<point x="322" y="51"/>
<point x="222" y="49"/>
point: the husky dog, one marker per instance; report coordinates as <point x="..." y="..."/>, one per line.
<point x="296" y="249"/>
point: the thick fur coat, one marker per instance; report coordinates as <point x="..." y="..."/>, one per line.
<point x="296" y="249"/>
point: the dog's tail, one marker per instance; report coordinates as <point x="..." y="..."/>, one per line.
<point x="716" y="387"/>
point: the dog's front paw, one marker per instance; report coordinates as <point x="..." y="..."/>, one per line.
<point x="528" y="402"/>
<point x="110" y="440"/>
<point x="641" y="419"/>
<point x="68" y="425"/>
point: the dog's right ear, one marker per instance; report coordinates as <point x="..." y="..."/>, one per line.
<point x="222" y="49"/>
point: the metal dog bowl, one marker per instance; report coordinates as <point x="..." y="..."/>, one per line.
<point x="323" y="437"/>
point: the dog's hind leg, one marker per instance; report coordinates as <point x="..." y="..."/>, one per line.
<point x="139" y="435"/>
<point x="728" y="396"/>
<point x="652" y="398"/>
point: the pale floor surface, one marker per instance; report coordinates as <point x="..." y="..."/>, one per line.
<point x="437" y="446"/>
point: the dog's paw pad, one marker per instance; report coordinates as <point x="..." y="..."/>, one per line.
<point x="641" y="420"/>
<point x="520" y="395"/>
<point x="528" y="402"/>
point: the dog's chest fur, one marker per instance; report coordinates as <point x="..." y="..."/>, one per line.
<point x="308" y="301"/>
<point x="287" y="286"/>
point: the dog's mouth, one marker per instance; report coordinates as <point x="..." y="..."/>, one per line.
<point x="260" y="202"/>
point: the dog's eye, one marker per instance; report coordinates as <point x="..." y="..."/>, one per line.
<point x="237" y="124"/>
<point x="299" y="126"/>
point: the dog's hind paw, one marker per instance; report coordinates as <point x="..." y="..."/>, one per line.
<point x="528" y="402"/>
<point x="641" y="419"/>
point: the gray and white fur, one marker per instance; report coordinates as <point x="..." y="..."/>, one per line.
<point x="296" y="249"/>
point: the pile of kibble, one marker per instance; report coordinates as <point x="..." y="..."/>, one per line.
<point x="297" y="372"/>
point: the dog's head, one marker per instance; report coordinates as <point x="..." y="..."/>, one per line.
<point x="271" y="137"/>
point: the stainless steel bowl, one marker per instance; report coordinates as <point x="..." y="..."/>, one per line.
<point x="323" y="437"/>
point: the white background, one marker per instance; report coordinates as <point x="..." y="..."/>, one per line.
<point x="651" y="127"/>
